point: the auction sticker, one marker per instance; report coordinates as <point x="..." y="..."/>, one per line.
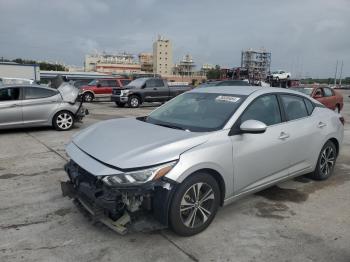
<point x="231" y="99"/>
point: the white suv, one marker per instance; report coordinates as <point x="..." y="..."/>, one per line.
<point x="280" y="74"/>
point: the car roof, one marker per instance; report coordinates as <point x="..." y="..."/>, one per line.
<point x="245" y="90"/>
<point x="25" y="85"/>
<point x="236" y="90"/>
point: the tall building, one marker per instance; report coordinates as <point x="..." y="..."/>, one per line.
<point x="162" y="56"/>
<point x="146" y="62"/>
<point x="112" y="63"/>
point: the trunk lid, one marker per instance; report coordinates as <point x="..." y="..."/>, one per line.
<point x="68" y="92"/>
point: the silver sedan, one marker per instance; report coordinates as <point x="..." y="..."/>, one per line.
<point x="34" y="105"/>
<point x="201" y="150"/>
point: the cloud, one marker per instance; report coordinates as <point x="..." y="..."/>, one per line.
<point x="305" y="36"/>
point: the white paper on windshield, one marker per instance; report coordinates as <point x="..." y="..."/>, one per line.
<point x="231" y="99"/>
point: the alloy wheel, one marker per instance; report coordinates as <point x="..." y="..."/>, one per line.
<point x="327" y="161"/>
<point x="134" y="102"/>
<point x="64" y="121"/>
<point x="88" y="97"/>
<point x="197" y="205"/>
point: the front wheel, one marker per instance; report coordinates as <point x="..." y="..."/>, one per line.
<point x="194" y="204"/>
<point x="63" y="121"/>
<point x="134" y="101"/>
<point x="326" y="161"/>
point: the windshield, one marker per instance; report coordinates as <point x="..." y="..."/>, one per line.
<point x="305" y="90"/>
<point x="137" y="82"/>
<point x="197" y="112"/>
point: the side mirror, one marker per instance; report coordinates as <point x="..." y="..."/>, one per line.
<point x="98" y="85"/>
<point x="253" y="127"/>
<point x="143" y="86"/>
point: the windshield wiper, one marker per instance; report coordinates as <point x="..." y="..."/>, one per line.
<point x="172" y="126"/>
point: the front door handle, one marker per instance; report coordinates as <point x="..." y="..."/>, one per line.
<point x="283" y="136"/>
<point x="13" y="105"/>
<point x="155" y="88"/>
<point x="321" y="124"/>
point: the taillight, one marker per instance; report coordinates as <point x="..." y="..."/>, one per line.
<point x="342" y="120"/>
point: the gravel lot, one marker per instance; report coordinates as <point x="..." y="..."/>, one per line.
<point x="299" y="220"/>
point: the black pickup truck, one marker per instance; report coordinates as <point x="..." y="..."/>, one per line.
<point x="146" y="89"/>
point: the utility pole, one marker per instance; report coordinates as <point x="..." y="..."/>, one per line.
<point x="341" y="72"/>
<point x="335" y="75"/>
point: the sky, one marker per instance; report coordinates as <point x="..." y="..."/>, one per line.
<point x="305" y="37"/>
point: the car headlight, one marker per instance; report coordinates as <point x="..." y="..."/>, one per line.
<point x="124" y="92"/>
<point x="139" y="176"/>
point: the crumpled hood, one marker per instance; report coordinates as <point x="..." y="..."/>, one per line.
<point x="131" y="143"/>
<point x="69" y="93"/>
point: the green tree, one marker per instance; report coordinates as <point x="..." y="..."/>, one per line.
<point x="214" y="73"/>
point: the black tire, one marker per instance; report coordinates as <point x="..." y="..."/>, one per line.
<point x="326" y="162"/>
<point x="178" y="219"/>
<point x="134" y="101"/>
<point x="119" y="104"/>
<point x="63" y="121"/>
<point x="88" y="97"/>
<point x="337" y="108"/>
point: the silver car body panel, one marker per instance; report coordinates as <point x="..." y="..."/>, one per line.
<point x="245" y="162"/>
<point x="36" y="112"/>
<point x="159" y="146"/>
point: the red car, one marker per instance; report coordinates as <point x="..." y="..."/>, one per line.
<point x="325" y="95"/>
<point x="102" y="87"/>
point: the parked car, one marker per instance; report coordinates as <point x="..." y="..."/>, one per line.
<point x="225" y="83"/>
<point x="102" y="87"/>
<point x="331" y="98"/>
<point x="146" y="89"/>
<point x="201" y="150"/>
<point x="280" y="75"/>
<point x="34" y="105"/>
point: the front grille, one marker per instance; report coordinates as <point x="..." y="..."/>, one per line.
<point x="81" y="173"/>
<point x="116" y="92"/>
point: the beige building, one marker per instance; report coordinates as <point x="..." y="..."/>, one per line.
<point x="146" y="62"/>
<point x="162" y="56"/>
<point x="112" y="63"/>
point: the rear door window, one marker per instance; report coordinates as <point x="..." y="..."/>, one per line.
<point x="112" y="83"/>
<point x="264" y="109"/>
<point x="37" y="92"/>
<point x="8" y="94"/>
<point x="150" y="83"/>
<point x="158" y="82"/>
<point x="294" y="107"/>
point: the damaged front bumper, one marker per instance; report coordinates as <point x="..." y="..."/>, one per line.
<point x="126" y="208"/>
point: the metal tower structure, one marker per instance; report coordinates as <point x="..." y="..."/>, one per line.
<point x="257" y="62"/>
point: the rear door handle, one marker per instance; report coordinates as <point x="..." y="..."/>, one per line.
<point x="283" y="136"/>
<point x="13" y="105"/>
<point x="321" y="124"/>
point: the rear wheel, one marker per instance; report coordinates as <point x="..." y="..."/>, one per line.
<point x="88" y="97"/>
<point x="194" y="204"/>
<point x="326" y="161"/>
<point x="63" y="121"/>
<point x="119" y="104"/>
<point x="134" y="101"/>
